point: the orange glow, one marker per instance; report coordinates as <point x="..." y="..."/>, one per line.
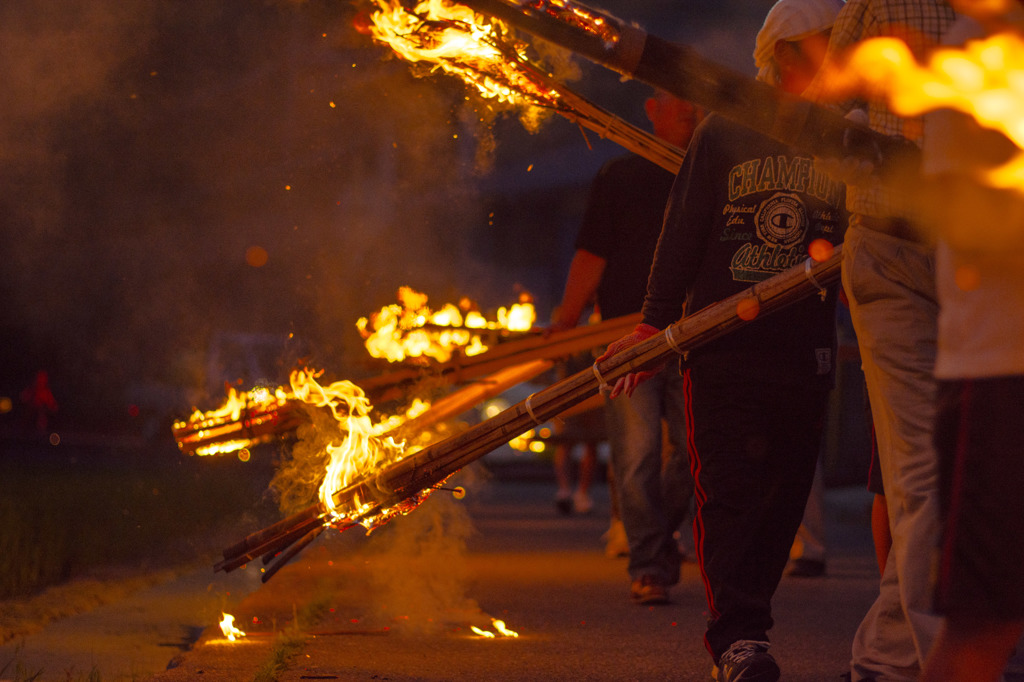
<point x="411" y="329"/>
<point x="983" y="79"/>
<point x="256" y="256"/>
<point x="748" y="309"/>
<point x="967" y="278"/>
<point x="228" y="428"/>
<point x="365" y="449"/>
<point x="820" y="250"/>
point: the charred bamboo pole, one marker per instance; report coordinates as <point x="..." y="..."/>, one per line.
<point x="273" y="542"/>
<point x="681" y="71"/>
<point x="430" y="466"/>
<point x="255" y="424"/>
<point x="287" y="555"/>
<point x="585" y="113"/>
<point x="538" y="347"/>
<point x="276" y="539"/>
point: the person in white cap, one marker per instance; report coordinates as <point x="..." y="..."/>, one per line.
<point x="743" y="208"/>
<point x="889" y="280"/>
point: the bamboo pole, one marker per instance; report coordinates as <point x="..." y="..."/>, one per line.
<point x="483" y="389"/>
<point x="535" y="347"/>
<point x="258" y="424"/>
<point x="254" y="425"/>
<point x="276" y="538"/>
<point x="428" y="467"/>
<point x="582" y="111"/>
<point x="681" y="71"/>
<point x="435" y="463"/>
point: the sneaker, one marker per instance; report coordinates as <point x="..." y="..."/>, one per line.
<point x="649" y="590"/>
<point x="616" y="544"/>
<point x="581" y="503"/>
<point x="806" y="568"/>
<point x="746" y="661"/>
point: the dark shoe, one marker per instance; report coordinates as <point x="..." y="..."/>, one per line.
<point x="563" y="503"/>
<point x="806" y="568"/>
<point x="746" y="661"/>
<point x="649" y="590"/>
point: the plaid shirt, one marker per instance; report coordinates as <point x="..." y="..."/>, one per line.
<point x="919" y="23"/>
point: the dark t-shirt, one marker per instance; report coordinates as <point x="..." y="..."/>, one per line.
<point x="621" y="225"/>
<point x="743" y="208"/>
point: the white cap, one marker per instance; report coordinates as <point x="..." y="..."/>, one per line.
<point x="790" y="20"/>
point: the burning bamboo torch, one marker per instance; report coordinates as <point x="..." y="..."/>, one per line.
<point x="375" y="498"/>
<point x="679" y="70"/>
<point x="484" y="54"/>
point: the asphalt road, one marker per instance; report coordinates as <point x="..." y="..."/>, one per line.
<point x="397" y="605"/>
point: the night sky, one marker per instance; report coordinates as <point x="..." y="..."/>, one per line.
<point x="198" y="192"/>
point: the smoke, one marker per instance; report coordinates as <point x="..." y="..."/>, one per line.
<point x="148" y="149"/>
<point x="297" y="477"/>
<point x="419" y="566"/>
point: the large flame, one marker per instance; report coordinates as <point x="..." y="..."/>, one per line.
<point x="365" y="448"/>
<point x="411" y="329"/>
<point x="479" y="50"/>
<point x="984" y="79"/>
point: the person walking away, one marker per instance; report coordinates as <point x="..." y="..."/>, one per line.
<point x="614" y="250"/>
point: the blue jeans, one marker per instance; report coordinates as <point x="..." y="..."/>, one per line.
<point x="654" y="492"/>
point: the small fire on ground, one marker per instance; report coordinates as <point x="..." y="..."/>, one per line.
<point x="227" y="626"/>
<point x="500" y="630"/>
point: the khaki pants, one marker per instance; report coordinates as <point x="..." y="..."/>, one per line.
<point x="891" y="287"/>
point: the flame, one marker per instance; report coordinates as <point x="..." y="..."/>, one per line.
<point x="228" y="628"/>
<point x="984" y="79"/>
<point x="500" y="628"/>
<point x="479" y="50"/>
<point x="365" y="449"/>
<point x="411" y="329"/>
<point x="499" y="625"/>
<point x="224" y="427"/>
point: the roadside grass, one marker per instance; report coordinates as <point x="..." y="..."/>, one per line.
<point x="286" y="647"/>
<point x="75" y="514"/>
<point x="290" y="642"/>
